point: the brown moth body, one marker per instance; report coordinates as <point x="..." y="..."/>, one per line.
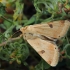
<point x="41" y="37"/>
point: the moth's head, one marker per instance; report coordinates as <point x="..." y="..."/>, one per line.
<point x="27" y="34"/>
<point x="23" y="29"/>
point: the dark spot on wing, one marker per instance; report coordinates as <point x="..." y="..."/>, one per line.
<point x="59" y="36"/>
<point x="55" y="48"/>
<point x="30" y="33"/>
<point x="42" y="51"/>
<point x="62" y="21"/>
<point x="24" y="34"/>
<point x="50" y="25"/>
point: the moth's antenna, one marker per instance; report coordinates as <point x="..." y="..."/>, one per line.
<point x="14" y="33"/>
<point x="11" y="39"/>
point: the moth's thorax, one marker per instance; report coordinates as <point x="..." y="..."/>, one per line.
<point x="26" y="29"/>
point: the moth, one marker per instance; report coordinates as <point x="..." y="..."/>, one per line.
<point x="42" y="37"/>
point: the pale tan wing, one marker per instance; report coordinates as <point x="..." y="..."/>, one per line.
<point x="55" y="29"/>
<point x="47" y="50"/>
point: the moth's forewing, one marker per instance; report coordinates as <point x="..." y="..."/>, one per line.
<point x="47" y="50"/>
<point x="55" y="29"/>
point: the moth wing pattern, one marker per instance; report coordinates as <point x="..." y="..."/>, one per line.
<point x="55" y="29"/>
<point x="47" y="50"/>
